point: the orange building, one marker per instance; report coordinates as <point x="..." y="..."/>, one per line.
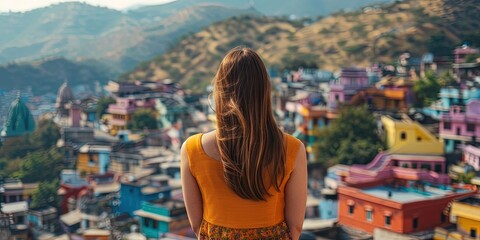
<point x="384" y="99"/>
<point x="93" y="159"/>
<point x="401" y="206"/>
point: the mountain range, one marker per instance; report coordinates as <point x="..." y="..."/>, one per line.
<point x="356" y="38"/>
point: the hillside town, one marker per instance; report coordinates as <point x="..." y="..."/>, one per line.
<point x="119" y="166"/>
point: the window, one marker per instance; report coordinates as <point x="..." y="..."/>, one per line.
<point x="470" y="127"/>
<point x="415" y="223"/>
<point x="20" y="220"/>
<point x="438" y="168"/>
<point x="155" y="224"/>
<point x="388" y="220"/>
<point x="459" y="131"/>
<point x="426" y="166"/>
<point x="351" y="209"/>
<point x="447" y="125"/>
<point x="146" y="222"/>
<point x="404" y="165"/>
<point x="369" y="215"/>
<point x="337" y="97"/>
<point x="419" y="139"/>
<point x="443" y="218"/>
<point x="414" y="165"/>
<point x="473" y="232"/>
<point x="403" y="136"/>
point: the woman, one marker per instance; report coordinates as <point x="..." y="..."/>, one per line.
<point x="247" y="179"/>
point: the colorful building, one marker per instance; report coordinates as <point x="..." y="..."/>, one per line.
<point x="351" y="81"/>
<point x="466" y="214"/>
<point x="465" y="67"/>
<point x="414" y="154"/>
<point x="448" y="97"/>
<point x="122" y="111"/>
<point x="471" y="156"/>
<point x="93" y="159"/>
<point x="162" y="216"/>
<point x="398" y="205"/>
<point x="409" y="137"/>
<point x="44" y="219"/>
<point x="145" y="189"/>
<point x="459" y="126"/>
<point x="389" y="94"/>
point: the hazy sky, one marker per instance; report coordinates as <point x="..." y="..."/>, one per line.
<point x="25" y="5"/>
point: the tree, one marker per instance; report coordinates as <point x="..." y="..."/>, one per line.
<point x="351" y="139"/>
<point x="45" y="195"/>
<point x="426" y="89"/>
<point x="102" y="105"/>
<point x="46" y="134"/>
<point x="16" y="147"/>
<point x="144" y="119"/>
<point x="41" y="165"/>
<point x="447" y="80"/>
<point x="44" y="137"/>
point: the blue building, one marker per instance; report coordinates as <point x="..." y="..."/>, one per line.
<point x="133" y="193"/>
<point x="162" y="216"/>
<point x="448" y="97"/>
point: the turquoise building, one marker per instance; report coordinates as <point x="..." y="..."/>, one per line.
<point x="448" y="97"/>
<point x="162" y="216"/>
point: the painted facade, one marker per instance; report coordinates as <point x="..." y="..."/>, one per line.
<point x="122" y="111"/>
<point x="466" y="214"/>
<point x="162" y="216"/>
<point x="351" y="81"/>
<point x="397" y="205"/>
<point x="465" y="67"/>
<point x="408" y="137"/>
<point x="448" y="97"/>
<point x="471" y="156"/>
<point x="459" y="126"/>
<point x="147" y="189"/>
<point x="93" y="160"/>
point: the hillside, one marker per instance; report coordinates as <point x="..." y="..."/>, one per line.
<point x="343" y="39"/>
<point x="47" y="75"/>
<point x="300" y="8"/>
<point x="79" y="31"/>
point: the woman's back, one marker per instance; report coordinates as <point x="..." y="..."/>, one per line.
<point x="246" y="175"/>
<point x="221" y="205"/>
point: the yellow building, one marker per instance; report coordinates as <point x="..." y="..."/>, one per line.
<point x="408" y="137"/>
<point x="466" y="214"/>
<point x="93" y="159"/>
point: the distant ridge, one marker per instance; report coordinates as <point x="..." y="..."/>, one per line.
<point x="343" y="39"/>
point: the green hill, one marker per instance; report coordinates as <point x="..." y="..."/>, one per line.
<point x="46" y="76"/>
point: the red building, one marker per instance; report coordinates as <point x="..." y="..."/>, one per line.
<point x="397" y="205"/>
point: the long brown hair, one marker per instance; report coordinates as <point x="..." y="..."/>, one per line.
<point x="250" y="143"/>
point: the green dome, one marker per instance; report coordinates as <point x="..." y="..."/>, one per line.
<point x="19" y="120"/>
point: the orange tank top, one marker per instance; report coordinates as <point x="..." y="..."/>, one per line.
<point x="221" y="205"/>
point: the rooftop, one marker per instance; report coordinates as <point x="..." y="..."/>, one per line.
<point x="410" y="194"/>
<point x="473" y="200"/>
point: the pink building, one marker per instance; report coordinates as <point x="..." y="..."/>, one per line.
<point x="123" y="109"/>
<point x="471" y="155"/>
<point x="350" y="82"/>
<point x="428" y="168"/>
<point x="458" y="127"/>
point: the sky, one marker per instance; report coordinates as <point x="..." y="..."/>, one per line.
<point x="26" y="5"/>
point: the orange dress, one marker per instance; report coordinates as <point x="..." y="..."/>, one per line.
<point x="228" y="216"/>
